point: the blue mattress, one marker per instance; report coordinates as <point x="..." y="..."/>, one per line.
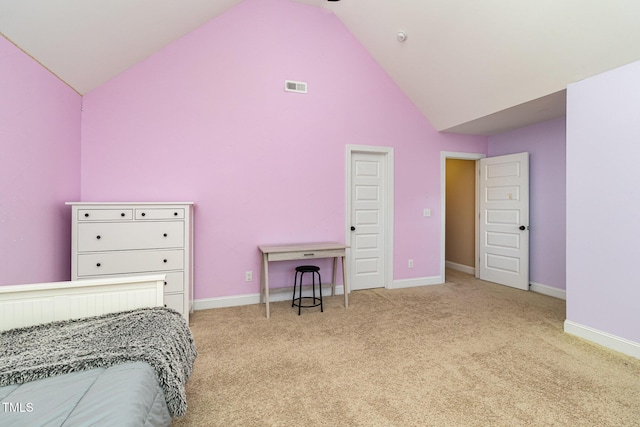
<point x="120" y="395"/>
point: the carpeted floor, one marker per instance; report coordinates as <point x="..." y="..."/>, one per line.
<point x="466" y="353"/>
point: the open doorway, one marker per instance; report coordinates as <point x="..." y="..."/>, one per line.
<point x="459" y="212"/>
<point x="460" y="220"/>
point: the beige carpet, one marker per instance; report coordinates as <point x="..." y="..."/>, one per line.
<point x="466" y="353"/>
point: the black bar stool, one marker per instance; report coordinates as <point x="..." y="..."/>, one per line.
<point x="315" y="301"/>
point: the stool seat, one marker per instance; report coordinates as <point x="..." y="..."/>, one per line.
<point x="307" y="269"/>
<point x="313" y="301"/>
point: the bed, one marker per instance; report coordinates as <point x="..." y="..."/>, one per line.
<point x="92" y="352"/>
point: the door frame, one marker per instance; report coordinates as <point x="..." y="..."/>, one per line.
<point x="444" y="155"/>
<point x="387" y="152"/>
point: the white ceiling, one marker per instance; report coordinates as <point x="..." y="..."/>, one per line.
<point x="470" y="66"/>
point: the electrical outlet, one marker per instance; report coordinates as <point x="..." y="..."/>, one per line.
<point x="410" y="263"/>
<point x="248" y="276"/>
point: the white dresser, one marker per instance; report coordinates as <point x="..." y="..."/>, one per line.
<point x="121" y="239"/>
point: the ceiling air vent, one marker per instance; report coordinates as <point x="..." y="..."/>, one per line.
<point x="291" y="86"/>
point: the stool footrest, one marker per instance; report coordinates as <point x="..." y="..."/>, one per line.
<point x="316" y="302"/>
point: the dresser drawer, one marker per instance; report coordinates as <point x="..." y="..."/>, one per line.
<point x="94" y="237"/>
<point x="175" y="301"/>
<point x="174" y="282"/>
<point x="159" y="213"/>
<point x="104" y="214"/>
<point x="96" y="264"/>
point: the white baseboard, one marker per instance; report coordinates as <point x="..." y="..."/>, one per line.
<point x="283" y="294"/>
<point x="220" y="302"/>
<point x="548" y="290"/>
<point x="460" y="267"/>
<point x="605" y="339"/>
<point x="420" y="281"/>
<point x="275" y="294"/>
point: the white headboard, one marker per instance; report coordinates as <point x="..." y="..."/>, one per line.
<point x="32" y="304"/>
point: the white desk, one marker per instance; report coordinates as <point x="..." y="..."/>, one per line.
<point x="301" y="251"/>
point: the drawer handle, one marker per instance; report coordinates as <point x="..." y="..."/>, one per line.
<point x="164" y="260"/>
<point x="165" y="283"/>
<point x="122" y="214"/>
<point x="165" y="305"/>
<point x="98" y="237"/>
<point x="143" y="214"/>
<point x="175" y="214"/>
<point x="165" y="234"/>
<point x="86" y="215"/>
<point x="311" y="254"/>
<point x="98" y="265"/>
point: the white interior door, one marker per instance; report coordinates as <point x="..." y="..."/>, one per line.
<point x="504" y="220"/>
<point x="368" y="195"/>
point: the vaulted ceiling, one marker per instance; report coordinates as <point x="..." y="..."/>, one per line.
<point x="470" y="66"/>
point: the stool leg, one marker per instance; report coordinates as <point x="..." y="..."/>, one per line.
<point x="295" y="280"/>
<point x="300" y="294"/>
<point x="320" y="284"/>
<point x="313" y="286"/>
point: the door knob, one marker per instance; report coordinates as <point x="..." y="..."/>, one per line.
<point x="353" y="228"/>
<point x="522" y="227"/>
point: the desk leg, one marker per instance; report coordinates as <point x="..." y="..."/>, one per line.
<point x="344" y="283"/>
<point x="264" y="283"/>
<point x="262" y="280"/>
<point x="333" y="279"/>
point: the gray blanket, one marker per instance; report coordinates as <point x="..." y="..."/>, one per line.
<point x="158" y="336"/>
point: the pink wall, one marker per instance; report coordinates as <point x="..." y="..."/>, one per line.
<point x="546" y="144"/>
<point x="206" y="120"/>
<point x="603" y="203"/>
<point x="40" y="169"/>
